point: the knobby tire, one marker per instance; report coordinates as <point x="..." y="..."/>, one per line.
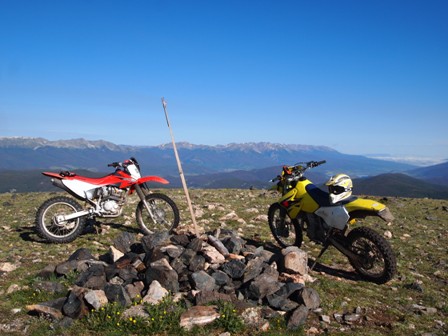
<point x="165" y="211"/>
<point x="53" y="233"/>
<point x="379" y="245"/>
<point x="286" y="231"/>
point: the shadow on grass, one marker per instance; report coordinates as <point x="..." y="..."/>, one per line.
<point x="29" y="233"/>
<point x="334" y="271"/>
<point x="348" y="275"/>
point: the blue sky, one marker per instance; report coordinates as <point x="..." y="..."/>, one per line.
<point x="362" y="77"/>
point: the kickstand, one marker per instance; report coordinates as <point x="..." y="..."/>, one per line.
<point x="320" y="255"/>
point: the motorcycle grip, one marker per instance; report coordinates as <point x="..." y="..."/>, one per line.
<point x="316" y="163"/>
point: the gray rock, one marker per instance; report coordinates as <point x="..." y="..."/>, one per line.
<point x="309" y="297"/>
<point x="233" y="244"/>
<point x="350" y="318"/>
<point x="279" y="299"/>
<point x="179" y="266"/>
<point x="162" y="271"/>
<point x="117" y="293"/>
<point x="212" y="255"/>
<point x="197" y="263"/>
<point x="187" y="256"/>
<point x="198" y="316"/>
<point x="295" y="260"/>
<point x="81" y="254"/>
<point x="173" y="251"/>
<point x="134" y="311"/>
<point x="263" y="285"/>
<point x="195" y="245"/>
<point x="215" y="242"/>
<point x="156" y="293"/>
<point x="66" y="267"/>
<point x="94" y="277"/>
<point x="74" y="305"/>
<point x="47" y="272"/>
<point x="221" y="278"/>
<point x="266" y="255"/>
<point x="234" y="268"/>
<point x="297" y="318"/>
<point x="128" y="274"/>
<point x="135" y="289"/>
<point x="115" y="254"/>
<point x="202" y="281"/>
<point x="253" y="268"/>
<point x="253" y="317"/>
<point x="181" y="239"/>
<point x="96" y="298"/>
<point x="124" y="241"/>
<point x="154" y="240"/>
<point x="205" y="297"/>
<point x="51" y="308"/>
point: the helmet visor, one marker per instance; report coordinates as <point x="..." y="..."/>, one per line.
<point x="336" y="189"/>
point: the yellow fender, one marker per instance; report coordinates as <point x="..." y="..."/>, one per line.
<point x="361" y="207"/>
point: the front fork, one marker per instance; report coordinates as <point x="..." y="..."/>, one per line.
<point x="141" y="193"/>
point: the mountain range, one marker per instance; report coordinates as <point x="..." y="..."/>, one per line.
<point x="223" y="166"/>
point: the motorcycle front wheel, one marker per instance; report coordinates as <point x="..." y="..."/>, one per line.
<point x="163" y="214"/>
<point x="375" y="259"/>
<point x="50" y="224"/>
<point x="286" y="231"/>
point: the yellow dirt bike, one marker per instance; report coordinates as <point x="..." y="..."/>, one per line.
<point x="326" y="216"/>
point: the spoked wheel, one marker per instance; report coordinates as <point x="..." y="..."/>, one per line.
<point x="50" y="222"/>
<point x="163" y="214"/>
<point x="286" y="231"/>
<point x="375" y="259"/>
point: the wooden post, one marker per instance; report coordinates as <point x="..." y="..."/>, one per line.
<point x="181" y="173"/>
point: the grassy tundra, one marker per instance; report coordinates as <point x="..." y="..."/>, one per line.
<point x="415" y="302"/>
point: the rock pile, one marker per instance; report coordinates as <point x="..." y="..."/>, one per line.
<point x="215" y="267"/>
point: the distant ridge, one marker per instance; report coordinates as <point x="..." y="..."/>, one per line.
<point x="80" y="143"/>
<point x="21" y="153"/>
<point x="36" y="143"/>
<point x="233" y="165"/>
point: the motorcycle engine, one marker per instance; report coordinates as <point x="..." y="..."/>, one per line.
<point x="317" y="229"/>
<point x="111" y="199"/>
<point x="111" y="206"/>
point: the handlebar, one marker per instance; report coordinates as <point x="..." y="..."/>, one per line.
<point x="309" y="164"/>
<point x="318" y="163"/>
<point x="298" y="169"/>
<point x="115" y="164"/>
<point x="124" y="164"/>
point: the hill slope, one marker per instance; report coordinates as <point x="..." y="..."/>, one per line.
<point x="437" y="174"/>
<point x="399" y="185"/>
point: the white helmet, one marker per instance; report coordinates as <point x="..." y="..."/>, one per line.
<point x="339" y="187"/>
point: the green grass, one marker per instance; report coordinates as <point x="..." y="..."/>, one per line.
<point x="419" y="239"/>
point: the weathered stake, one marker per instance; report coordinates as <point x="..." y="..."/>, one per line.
<point x="181" y="173"/>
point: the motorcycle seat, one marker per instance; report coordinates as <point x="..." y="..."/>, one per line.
<point x="92" y="180"/>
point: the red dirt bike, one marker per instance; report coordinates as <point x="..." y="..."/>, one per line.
<point x="62" y="219"/>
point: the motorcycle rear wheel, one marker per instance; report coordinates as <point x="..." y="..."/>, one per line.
<point x="165" y="214"/>
<point x="50" y="229"/>
<point x="376" y="260"/>
<point x="286" y="231"/>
